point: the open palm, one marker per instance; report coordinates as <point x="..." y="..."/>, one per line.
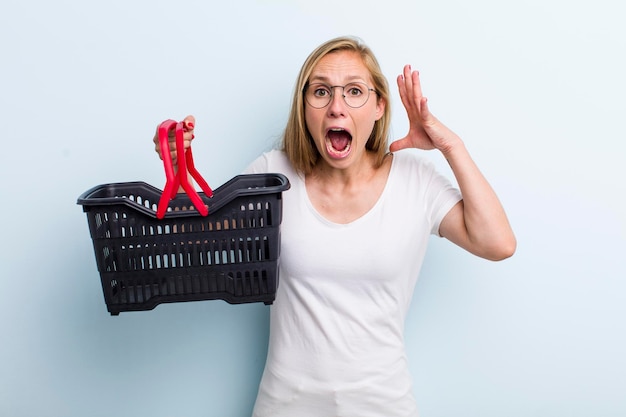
<point x="425" y="130"/>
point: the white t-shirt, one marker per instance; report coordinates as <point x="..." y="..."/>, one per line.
<point x="336" y="327"/>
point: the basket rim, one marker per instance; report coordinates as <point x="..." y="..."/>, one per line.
<point x="238" y="186"/>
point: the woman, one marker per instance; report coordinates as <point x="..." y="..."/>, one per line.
<point x="356" y="223"/>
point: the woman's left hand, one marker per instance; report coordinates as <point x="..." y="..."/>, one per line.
<point x="425" y="130"/>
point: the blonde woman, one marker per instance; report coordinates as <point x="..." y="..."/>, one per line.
<point x="356" y="223"/>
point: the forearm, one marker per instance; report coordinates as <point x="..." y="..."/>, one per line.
<point x="484" y="228"/>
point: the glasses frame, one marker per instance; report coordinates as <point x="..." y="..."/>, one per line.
<point x="331" y="88"/>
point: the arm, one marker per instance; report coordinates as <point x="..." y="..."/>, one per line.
<point x="478" y="223"/>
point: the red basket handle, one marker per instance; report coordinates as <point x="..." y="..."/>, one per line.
<point x="179" y="178"/>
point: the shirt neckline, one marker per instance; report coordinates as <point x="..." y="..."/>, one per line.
<point x="365" y="215"/>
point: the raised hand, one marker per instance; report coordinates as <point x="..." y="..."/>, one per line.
<point x="425" y="130"/>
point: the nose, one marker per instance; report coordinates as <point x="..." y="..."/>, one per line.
<point x="337" y="105"/>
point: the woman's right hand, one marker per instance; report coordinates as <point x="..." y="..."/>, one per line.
<point x="188" y="125"/>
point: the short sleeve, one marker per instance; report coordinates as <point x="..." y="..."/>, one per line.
<point x="258" y="166"/>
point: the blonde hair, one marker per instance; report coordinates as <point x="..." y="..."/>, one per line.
<point x="297" y="142"/>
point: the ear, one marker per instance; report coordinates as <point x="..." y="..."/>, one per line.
<point x="380" y="108"/>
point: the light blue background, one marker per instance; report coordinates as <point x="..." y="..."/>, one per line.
<point x="536" y="89"/>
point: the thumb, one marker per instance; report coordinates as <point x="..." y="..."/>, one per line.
<point x="189" y="123"/>
<point x="399" y="145"/>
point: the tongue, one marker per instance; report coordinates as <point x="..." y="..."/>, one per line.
<point x="339" y="140"/>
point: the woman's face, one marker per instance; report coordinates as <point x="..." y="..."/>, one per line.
<point x="340" y="132"/>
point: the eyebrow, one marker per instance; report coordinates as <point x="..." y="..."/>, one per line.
<point x="325" y="80"/>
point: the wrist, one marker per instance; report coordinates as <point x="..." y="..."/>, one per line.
<point x="453" y="148"/>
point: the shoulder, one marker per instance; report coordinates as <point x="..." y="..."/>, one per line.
<point x="409" y="164"/>
<point x="417" y="175"/>
<point x="419" y="179"/>
<point x="274" y="161"/>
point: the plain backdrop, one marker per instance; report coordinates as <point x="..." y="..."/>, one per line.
<point x="535" y="88"/>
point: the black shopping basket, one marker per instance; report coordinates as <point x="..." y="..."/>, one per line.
<point x="154" y="246"/>
<point x="230" y="254"/>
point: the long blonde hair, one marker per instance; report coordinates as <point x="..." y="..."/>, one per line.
<point x="297" y="141"/>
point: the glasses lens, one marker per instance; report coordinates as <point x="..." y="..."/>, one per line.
<point x="318" y="95"/>
<point x="354" y="94"/>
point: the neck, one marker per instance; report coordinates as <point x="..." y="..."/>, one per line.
<point x="356" y="172"/>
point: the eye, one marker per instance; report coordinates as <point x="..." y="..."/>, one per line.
<point x="354" y="90"/>
<point x="320" y="90"/>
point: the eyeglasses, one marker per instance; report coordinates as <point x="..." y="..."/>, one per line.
<point x="355" y="95"/>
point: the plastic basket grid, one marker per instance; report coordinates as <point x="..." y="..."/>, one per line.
<point x="231" y="254"/>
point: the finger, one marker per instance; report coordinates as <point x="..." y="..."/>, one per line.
<point x="401" y="87"/>
<point x="157" y="149"/>
<point x="155" y="140"/>
<point x="428" y="119"/>
<point x="399" y="145"/>
<point x="408" y="82"/>
<point x="416" y="86"/>
<point x="405" y="97"/>
<point x="424" y="110"/>
<point x="407" y="76"/>
<point x="189" y="124"/>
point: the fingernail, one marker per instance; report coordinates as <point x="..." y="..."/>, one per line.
<point x="190" y="125"/>
<point x="193" y="136"/>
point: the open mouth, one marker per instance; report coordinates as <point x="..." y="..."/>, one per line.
<point x="338" y="142"/>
